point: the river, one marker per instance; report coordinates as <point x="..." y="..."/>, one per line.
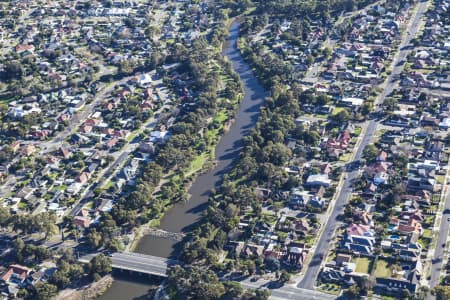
<point x="183" y="216"/>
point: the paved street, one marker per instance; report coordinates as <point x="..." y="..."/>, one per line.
<point x="120" y="158"/>
<point x="286" y="291"/>
<point x="404" y="50"/>
<point x="323" y="244"/>
<point x="146" y="264"/>
<point x="438" y="262"/>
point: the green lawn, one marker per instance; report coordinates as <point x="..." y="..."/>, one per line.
<point x="196" y="164"/>
<point x="362" y="265"/>
<point x="357" y="131"/>
<point x="345" y="157"/>
<point x="330" y="288"/>
<point x="382" y="269"/>
<point x="427" y="233"/>
<point x="108" y="185"/>
<point x="337" y="110"/>
<point x="221" y="117"/>
<point x="424" y="242"/>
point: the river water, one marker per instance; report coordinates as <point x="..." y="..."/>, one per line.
<point x="183" y="216"/>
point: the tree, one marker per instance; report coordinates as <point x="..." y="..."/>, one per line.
<point x="4" y="217"/>
<point x="272" y="263"/>
<point x="45" y="291"/>
<point x="260" y="294"/>
<point x="251" y="267"/>
<point x="341" y="117"/>
<point x="441" y="292"/>
<point x="370" y="152"/>
<point x="220" y="239"/>
<point x="100" y="265"/>
<point x="233" y="288"/>
<point x="194" y="283"/>
<point x="94" y="238"/>
<point x="284" y="277"/>
<point x="327" y="52"/>
<point x="352" y="292"/>
<point x="13" y="70"/>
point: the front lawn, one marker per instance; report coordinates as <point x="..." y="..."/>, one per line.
<point x="427" y="233"/>
<point x="363" y="265"/>
<point x="330" y="288"/>
<point x="382" y="269"/>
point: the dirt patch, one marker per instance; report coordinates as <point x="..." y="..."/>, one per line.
<point x="87" y="292"/>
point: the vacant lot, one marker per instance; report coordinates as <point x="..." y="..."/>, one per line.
<point x="363" y="265"/>
<point x="382" y="269"/>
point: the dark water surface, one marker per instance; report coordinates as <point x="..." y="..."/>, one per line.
<point x="183" y="216"/>
<point x="130" y="286"/>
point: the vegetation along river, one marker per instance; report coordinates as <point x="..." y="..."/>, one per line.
<point x="183" y="216"/>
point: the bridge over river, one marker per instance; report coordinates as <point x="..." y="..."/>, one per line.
<point x="136" y="262"/>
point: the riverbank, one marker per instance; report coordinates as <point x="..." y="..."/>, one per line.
<point x="87" y="292"/>
<point x="183" y="217"/>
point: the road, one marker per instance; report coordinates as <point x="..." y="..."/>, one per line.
<point x="77" y="120"/>
<point x="286" y="291"/>
<point x="323" y="244"/>
<point x="438" y="261"/>
<point x="404" y="50"/>
<point x="120" y="157"/>
<point x="312" y="75"/>
<point x="141" y="263"/>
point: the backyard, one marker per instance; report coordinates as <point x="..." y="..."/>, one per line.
<point x="363" y="265"/>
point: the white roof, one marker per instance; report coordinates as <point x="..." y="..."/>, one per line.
<point x="353" y="101"/>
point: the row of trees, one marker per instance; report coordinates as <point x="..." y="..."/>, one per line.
<point x="138" y="206"/>
<point x="200" y="283"/>
<point x="28" y="224"/>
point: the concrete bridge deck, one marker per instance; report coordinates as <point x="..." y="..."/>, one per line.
<point x="136" y="262"/>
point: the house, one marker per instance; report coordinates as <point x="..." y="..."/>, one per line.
<point x="430" y="121"/>
<point x="408" y="226"/>
<point x="380" y="178"/>
<point x="377" y="167"/>
<point x="82" y="222"/>
<point x="325" y="168"/>
<point x="299" y="198"/>
<point x="330" y="275"/>
<point x="262" y="193"/>
<point x="65" y="152"/>
<point x="301" y="226"/>
<point x="85" y="128"/>
<point x="342" y="259"/>
<point x="144" y="80"/>
<point x="318" y="180"/>
<point x="359" y="230"/>
<point x="16" y="274"/>
<point x="83" y="177"/>
<point x="337" y="147"/>
<point x="420" y="183"/>
<point x="24" y="49"/>
<point x="362" y="216"/>
<point x="382" y="156"/>
<point x="254" y="251"/>
<point x="105" y="206"/>
<point x="358" y="244"/>
<point x="395" y="286"/>
<point x="294" y="257"/>
<point x="27" y="150"/>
